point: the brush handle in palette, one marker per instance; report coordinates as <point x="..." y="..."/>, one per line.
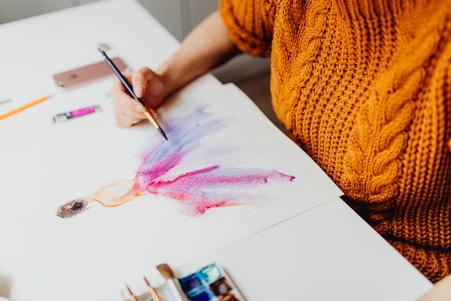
<point x="176" y="290"/>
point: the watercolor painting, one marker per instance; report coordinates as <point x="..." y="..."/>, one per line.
<point x="197" y="190"/>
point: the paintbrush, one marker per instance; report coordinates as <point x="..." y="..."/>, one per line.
<point x="172" y="281"/>
<point x="152" y="291"/>
<point x="5" y="100"/>
<point x="129" y="89"/>
<point x="133" y="297"/>
<point x="123" y="296"/>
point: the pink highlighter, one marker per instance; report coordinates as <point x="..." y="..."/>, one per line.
<point x="75" y="113"/>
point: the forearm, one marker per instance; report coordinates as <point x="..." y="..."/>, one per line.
<point x="205" y="48"/>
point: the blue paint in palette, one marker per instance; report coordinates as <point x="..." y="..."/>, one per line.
<point x="202" y="296"/>
<point x="209" y="284"/>
<point x="195" y="288"/>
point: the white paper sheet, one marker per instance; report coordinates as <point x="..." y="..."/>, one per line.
<point x="90" y="256"/>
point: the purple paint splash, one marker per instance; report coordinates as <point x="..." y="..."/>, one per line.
<point x="213" y="186"/>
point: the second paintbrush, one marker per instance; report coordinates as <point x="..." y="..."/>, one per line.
<point x="153" y="292"/>
<point x="129" y="89"/>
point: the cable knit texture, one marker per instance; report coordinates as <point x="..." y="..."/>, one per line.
<point x="365" y="87"/>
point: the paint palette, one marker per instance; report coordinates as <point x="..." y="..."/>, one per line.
<point x="210" y="283"/>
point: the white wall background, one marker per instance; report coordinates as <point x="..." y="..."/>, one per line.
<point x="178" y="16"/>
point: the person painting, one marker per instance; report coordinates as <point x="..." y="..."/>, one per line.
<point x="364" y="87"/>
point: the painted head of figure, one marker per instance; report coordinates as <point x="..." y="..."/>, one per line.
<point x="113" y="194"/>
<point x="72" y="208"/>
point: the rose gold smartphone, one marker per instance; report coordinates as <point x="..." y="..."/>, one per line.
<point x="87" y="74"/>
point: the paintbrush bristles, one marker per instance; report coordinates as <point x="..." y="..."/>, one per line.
<point x="129" y="290"/>
<point x="133" y="297"/>
<point x="167" y="274"/>
<point x="147" y="281"/>
<point x="123" y="296"/>
<point x="165" y="271"/>
<point x="152" y="291"/>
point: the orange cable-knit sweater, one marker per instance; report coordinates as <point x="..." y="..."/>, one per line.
<point x="365" y="88"/>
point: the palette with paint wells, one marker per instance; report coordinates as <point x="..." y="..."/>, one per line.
<point x="210" y="283"/>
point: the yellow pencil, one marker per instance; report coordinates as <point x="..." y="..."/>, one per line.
<point x="25" y="106"/>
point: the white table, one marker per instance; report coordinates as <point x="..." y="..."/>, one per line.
<point x="323" y="254"/>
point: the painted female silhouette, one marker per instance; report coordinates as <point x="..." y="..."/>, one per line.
<point x="212" y="186"/>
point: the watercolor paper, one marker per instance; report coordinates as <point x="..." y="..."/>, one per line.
<point x="214" y="185"/>
<point x="226" y="173"/>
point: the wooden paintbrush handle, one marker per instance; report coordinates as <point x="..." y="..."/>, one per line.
<point x="177" y="290"/>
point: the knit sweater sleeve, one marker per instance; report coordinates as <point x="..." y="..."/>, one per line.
<point x="249" y="24"/>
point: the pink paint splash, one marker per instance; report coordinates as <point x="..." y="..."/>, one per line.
<point x="213" y="186"/>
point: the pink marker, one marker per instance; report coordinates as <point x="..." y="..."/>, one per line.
<point x="75" y="113"/>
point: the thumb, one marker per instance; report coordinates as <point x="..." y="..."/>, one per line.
<point x="140" y="80"/>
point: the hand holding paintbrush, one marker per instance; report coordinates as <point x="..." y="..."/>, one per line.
<point x="128" y="88"/>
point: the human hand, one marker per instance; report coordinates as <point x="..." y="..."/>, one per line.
<point x="147" y="85"/>
<point x="440" y="292"/>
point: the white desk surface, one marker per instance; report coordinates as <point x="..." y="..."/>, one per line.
<point x="323" y="254"/>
